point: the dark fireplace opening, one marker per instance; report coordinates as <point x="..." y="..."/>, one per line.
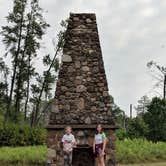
<point x="83" y="156"/>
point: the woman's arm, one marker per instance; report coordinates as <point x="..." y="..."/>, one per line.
<point x="94" y="145"/>
<point x="104" y="144"/>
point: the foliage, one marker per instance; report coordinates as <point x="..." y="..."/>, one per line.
<point x="128" y="151"/>
<point x="22" y="36"/>
<point x="140" y="151"/>
<point x="155" y="118"/>
<point x="118" y="114"/>
<point x="45" y="82"/>
<point x="30" y="155"/>
<point x="158" y="72"/>
<point x="149" y="124"/>
<point x="29" y="91"/>
<point x="141" y="107"/>
<point x="121" y="134"/>
<point x="21" y="135"/>
<point x="137" y="128"/>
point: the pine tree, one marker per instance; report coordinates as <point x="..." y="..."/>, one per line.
<point x="4" y="72"/>
<point x="141" y="107"/>
<point x="22" y="37"/>
<point x="35" y="29"/>
<point x="46" y="81"/>
<point x="12" y="38"/>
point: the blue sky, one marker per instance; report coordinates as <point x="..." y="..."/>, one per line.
<point x="132" y="33"/>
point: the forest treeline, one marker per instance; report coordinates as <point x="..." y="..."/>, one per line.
<point x="24" y="92"/>
<point x="150" y="122"/>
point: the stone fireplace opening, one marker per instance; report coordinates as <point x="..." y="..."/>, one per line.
<point x="83" y="156"/>
<point x="82" y="97"/>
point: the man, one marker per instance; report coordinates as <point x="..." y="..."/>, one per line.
<point x="68" y="141"/>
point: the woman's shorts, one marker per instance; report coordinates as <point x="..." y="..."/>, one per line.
<point x="98" y="150"/>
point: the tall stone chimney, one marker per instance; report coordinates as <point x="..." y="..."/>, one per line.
<point x="82" y="99"/>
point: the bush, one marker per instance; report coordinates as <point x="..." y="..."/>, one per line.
<point x="121" y="134"/>
<point x="140" y="151"/>
<point x="137" y="128"/>
<point x="21" y="135"/>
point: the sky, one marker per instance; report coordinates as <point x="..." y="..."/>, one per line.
<point x="132" y="33"/>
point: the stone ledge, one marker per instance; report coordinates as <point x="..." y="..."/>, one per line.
<point x="74" y="126"/>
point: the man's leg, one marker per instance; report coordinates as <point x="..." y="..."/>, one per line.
<point x="66" y="159"/>
<point x="70" y="158"/>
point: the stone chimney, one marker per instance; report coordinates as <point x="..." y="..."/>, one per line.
<point x="82" y="98"/>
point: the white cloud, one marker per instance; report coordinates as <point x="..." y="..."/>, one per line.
<point x="148" y="12"/>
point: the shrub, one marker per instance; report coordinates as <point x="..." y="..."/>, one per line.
<point x="121" y="134"/>
<point x="21" y="135"/>
<point x="137" y="128"/>
<point x="140" y="151"/>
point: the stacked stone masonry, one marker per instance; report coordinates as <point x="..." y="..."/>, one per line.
<point x="82" y="97"/>
<point x="82" y="93"/>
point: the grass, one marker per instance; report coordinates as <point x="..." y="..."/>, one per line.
<point x="140" y="151"/>
<point x="128" y="153"/>
<point x="150" y="164"/>
<point x="30" y="155"/>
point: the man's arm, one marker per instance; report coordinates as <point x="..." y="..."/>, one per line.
<point x="64" y="146"/>
<point x="73" y="143"/>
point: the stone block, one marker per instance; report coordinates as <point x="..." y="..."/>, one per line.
<point x="66" y="58"/>
<point x="80" y="88"/>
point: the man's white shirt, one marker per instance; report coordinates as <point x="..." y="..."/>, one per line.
<point x="68" y="140"/>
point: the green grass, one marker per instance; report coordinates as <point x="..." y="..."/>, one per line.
<point x="128" y="152"/>
<point x="150" y="164"/>
<point x="140" y="151"/>
<point x="30" y="155"/>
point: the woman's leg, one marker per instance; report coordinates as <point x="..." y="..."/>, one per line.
<point x="97" y="161"/>
<point x="102" y="161"/>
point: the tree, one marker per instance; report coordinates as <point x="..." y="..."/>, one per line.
<point x="29" y="90"/>
<point x="118" y="114"/>
<point x="141" y="108"/>
<point x="155" y="118"/>
<point x="46" y="81"/>
<point x="35" y="29"/>
<point x="4" y="71"/>
<point x="12" y="38"/>
<point x="22" y="37"/>
<point x="159" y="73"/>
<point x="137" y="128"/>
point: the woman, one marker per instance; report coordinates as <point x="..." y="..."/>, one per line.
<point x="99" y="145"/>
